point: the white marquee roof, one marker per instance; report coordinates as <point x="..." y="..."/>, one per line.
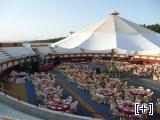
<point x="113" y="32"/>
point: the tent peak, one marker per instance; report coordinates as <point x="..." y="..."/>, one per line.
<point x="114" y="12"/>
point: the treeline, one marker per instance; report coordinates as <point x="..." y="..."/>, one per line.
<point x="154" y="27"/>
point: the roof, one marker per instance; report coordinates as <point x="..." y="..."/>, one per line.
<point x="113" y="32"/>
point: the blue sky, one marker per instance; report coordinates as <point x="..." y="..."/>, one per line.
<point x="41" y="19"/>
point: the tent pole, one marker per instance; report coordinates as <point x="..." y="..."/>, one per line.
<point x="112" y="58"/>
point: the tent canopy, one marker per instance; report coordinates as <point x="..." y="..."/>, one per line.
<point x="111" y="33"/>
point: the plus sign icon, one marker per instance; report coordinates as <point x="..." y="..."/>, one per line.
<point x="143" y="108"/>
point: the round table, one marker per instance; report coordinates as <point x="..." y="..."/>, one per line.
<point x="39" y="76"/>
<point x="61" y="105"/>
<point x="106" y="93"/>
<point x="50" y="90"/>
<point x="20" y="75"/>
<point x="126" y="108"/>
<point x="138" y="93"/>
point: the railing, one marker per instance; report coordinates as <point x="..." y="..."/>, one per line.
<point x="6" y="92"/>
<point x="100" y="114"/>
<point x="19" y="98"/>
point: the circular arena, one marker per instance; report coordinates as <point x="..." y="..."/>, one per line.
<point x="109" y="70"/>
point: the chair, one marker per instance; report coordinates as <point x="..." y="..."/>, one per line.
<point x="58" y="87"/>
<point x="141" y="88"/>
<point x="119" y="101"/>
<point x="115" y="90"/>
<point x="118" y="94"/>
<point x="79" y="86"/>
<point x="45" y="101"/>
<point x="84" y="87"/>
<point x="151" y="93"/>
<point x="158" y="107"/>
<point x="115" y="112"/>
<point x="138" y="100"/>
<point x="127" y="98"/>
<point x="93" y="95"/>
<point x="112" y="106"/>
<point x="146" y="99"/>
<point x="131" y="88"/>
<point x="126" y="94"/>
<point x="56" y="98"/>
<point x="69" y="99"/>
<point x="148" y="90"/>
<point x="60" y="93"/>
<point x="100" y="98"/>
<point x="74" y="106"/>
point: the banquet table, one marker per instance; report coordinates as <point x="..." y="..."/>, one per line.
<point x="20" y="75"/>
<point x="39" y="75"/>
<point x="44" y="81"/>
<point x="86" y="82"/>
<point x="41" y="83"/>
<point x="126" y="108"/>
<point x="50" y="90"/>
<point x="137" y="92"/>
<point x="114" y="83"/>
<point x="106" y="93"/>
<point x="132" y="87"/>
<point x="61" y="105"/>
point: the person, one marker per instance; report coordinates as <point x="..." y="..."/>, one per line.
<point x="13" y="73"/>
<point x="57" y="60"/>
<point x="97" y="69"/>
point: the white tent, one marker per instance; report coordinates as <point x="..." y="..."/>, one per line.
<point x="79" y="50"/>
<point x="111" y="33"/>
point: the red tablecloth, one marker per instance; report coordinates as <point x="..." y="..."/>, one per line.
<point x="39" y="76"/>
<point x="114" y="83"/>
<point x="138" y="92"/>
<point x="61" y="105"/>
<point x="50" y="90"/>
<point x="43" y="81"/>
<point x="46" y="67"/>
<point x="106" y="93"/>
<point x="20" y="74"/>
<point x="127" y="109"/>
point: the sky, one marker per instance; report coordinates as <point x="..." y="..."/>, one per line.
<point x="45" y="19"/>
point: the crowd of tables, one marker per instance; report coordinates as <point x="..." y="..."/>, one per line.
<point x="104" y="90"/>
<point x="143" y="70"/>
<point x="47" y="93"/>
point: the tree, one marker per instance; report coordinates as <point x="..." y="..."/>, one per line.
<point x="71" y="32"/>
<point x="154" y="27"/>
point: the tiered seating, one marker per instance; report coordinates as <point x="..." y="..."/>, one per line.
<point x="3" y="57"/>
<point x="44" y="50"/>
<point x="19" y="51"/>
